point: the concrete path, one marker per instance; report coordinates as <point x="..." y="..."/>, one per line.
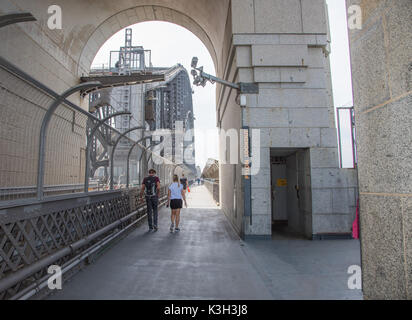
<point x="207" y="260"/>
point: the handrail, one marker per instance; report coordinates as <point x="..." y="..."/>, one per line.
<point x="21" y="274"/>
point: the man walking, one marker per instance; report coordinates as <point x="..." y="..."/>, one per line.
<point x="151" y="184"/>
<point x="183" y="181"/>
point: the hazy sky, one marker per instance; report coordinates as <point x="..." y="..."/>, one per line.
<point x="171" y="44"/>
<point x="340" y="59"/>
<point x="341" y="74"/>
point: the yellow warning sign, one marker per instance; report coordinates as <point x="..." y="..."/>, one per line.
<point x="282" y="182"/>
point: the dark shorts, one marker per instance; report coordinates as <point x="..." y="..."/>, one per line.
<point x="176" y="204"/>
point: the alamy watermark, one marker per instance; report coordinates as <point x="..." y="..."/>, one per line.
<point x="355" y="17"/>
<point x="55" y="280"/>
<point x="237" y="146"/>
<point x="55" y="20"/>
<point x="355" y="278"/>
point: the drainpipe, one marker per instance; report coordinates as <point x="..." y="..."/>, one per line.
<point x="247" y="179"/>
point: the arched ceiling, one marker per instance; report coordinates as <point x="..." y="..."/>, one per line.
<point x="141" y="14"/>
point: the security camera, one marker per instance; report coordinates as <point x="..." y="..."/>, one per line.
<point x="194" y="62"/>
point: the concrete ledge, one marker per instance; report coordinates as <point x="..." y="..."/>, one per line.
<point x="257" y="237"/>
<point x="332" y="236"/>
<point x="279" y="55"/>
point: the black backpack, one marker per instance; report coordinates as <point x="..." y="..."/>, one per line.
<point x="183" y="181"/>
<point x="150" y="184"/>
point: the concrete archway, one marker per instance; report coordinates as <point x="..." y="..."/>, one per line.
<point x="136" y="15"/>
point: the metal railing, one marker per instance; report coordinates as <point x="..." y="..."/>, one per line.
<point x="30" y="191"/>
<point x="33" y="237"/>
<point x="213" y="187"/>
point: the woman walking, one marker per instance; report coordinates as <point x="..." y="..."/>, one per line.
<point x="174" y="199"/>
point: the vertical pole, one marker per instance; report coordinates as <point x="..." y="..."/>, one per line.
<point x="339" y="138"/>
<point x="128" y="166"/>
<point x="352" y="128"/>
<point x="247" y="179"/>
<point x="128" y="160"/>
<point x="143" y="109"/>
<point x="43" y="131"/>
<point x="113" y="151"/>
<point x="247" y="183"/>
<point x="128" y="170"/>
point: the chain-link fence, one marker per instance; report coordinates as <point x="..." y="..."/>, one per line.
<point x="69" y="160"/>
<point x="22" y="108"/>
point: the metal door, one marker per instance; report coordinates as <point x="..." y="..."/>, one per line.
<point x="279" y="192"/>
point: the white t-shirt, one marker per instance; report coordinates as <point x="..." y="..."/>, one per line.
<point x="175" y="191"/>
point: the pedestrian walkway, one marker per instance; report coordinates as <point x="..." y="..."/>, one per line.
<point x="200" y="197"/>
<point x="207" y="260"/>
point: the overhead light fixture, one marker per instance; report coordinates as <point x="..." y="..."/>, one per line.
<point x="243" y="100"/>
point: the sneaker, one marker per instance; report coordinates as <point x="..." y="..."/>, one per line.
<point x="172" y="226"/>
<point x="155" y="228"/>
<point x="150" y="229"/>
<point x="177" y="229"/>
